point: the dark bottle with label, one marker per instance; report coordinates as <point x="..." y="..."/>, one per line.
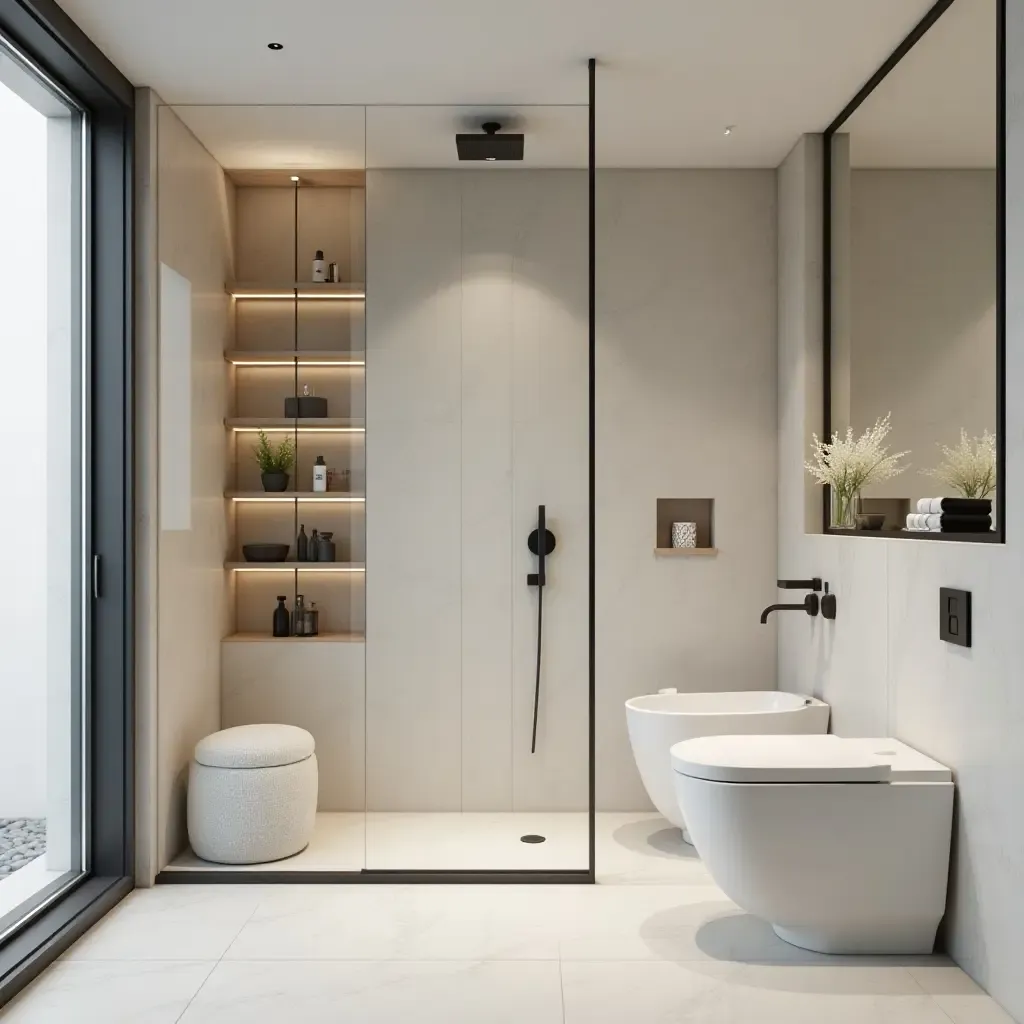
<point x="282" y="620"/>
<point x="302" y="545"/>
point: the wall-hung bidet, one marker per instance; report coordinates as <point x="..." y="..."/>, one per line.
<point x="541" y="542"/>
<point x="658" y="721"/>
<point x="841" y="844"/>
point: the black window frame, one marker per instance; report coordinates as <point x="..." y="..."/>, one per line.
<point x="50" y="40"/>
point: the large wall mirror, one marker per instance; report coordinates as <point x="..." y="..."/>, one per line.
<point x="913" y="287"/>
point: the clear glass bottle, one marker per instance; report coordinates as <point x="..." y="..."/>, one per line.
<point x="299" y="616"/>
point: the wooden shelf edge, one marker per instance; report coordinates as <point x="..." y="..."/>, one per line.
<point x="348" y="568"/>
<point x="284" y="290"/>
<point x="334" y="497"/>
<point x="320" y="423"/>
<point x="288" y="357"/>
<point x="686" y="552"/>
<point x="323" y="638"/>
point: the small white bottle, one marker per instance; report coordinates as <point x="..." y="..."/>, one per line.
<point x="319" y="475"/>
<point x="319" y="266"/>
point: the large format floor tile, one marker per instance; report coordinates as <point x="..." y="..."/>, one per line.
<point x="379" y="993"/>
<point x="961" y="999"/>
<point x="109" y="992"/>
<point x="718" y="993"/>
<point x="172" y="922"/>
<point x="374" y="922"/>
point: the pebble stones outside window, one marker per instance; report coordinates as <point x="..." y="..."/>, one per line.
<point x="21" y="841"/>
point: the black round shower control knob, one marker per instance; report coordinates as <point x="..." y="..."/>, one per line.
<point x="549" y="542"/>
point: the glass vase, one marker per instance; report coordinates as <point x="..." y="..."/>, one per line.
<point x="845" y="507"/>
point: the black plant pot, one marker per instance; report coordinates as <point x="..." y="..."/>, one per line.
<point x="275" y="481"/>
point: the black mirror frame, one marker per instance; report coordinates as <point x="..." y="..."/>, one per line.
<point x="998" y="535"/>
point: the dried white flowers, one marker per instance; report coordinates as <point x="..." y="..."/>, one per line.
<point x="970" y="467"/>
<point x="847" y="464"/>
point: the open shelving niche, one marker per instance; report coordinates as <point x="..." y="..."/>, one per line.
<point x="288" y="332"/>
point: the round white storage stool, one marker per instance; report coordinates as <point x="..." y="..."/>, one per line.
<point x="252" y="794"/>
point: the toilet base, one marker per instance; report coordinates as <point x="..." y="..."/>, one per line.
<point x="901" y="941"/>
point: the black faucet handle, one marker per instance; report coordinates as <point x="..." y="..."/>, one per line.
<point x="814" y="584"/>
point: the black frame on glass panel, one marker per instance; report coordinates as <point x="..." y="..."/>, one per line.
<point x="567" y="876"/>
<point x="998" y="535"/>
<point x="43" y="34"/>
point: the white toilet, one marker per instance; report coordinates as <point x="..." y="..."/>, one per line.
<point x="842" y="845"/>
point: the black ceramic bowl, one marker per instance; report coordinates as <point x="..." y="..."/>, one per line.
<point x="265" y="552"/>
<point x="870" y="520"/>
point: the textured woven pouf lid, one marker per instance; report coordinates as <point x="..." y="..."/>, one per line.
<point x="255" y="746"/>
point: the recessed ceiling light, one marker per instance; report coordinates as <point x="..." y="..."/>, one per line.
<point x="275" y="46"/>
<point x="728" y="129"/>
<point x="295" y="178"/>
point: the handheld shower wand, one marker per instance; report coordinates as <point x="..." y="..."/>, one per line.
<point x="541" y="542"/>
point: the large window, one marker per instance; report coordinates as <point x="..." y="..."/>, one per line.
<point x="65" y="496"/>
<point x="43" y="613"/>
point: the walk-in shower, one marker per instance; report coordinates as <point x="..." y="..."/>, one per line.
<point x="434" y="315"/>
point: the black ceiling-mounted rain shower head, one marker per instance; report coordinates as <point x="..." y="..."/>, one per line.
<point x="490" y="146"/>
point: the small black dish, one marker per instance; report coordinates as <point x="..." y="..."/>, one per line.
<point x="265" y="552"/>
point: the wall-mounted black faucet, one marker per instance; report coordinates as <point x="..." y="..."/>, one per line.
<point x="813" y="584"/>
<point x="810" y="603"/>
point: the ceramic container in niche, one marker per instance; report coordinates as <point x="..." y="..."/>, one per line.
<point x="684" y="535"/>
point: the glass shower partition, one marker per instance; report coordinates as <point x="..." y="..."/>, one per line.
<point x="478" y="441"/>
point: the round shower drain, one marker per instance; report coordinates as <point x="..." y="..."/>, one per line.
<point x="531" y="839"/>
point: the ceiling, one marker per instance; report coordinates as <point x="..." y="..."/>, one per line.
<point x="937" y="107"/>
<point x="672" y="73"/>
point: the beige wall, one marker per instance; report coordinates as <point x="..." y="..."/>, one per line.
<point x="193" y="233"/>
<point x="685" y="409"/>
<point x="922" y="283"/>
<point x="881" y="664"/>
<point x="476" y="403"/>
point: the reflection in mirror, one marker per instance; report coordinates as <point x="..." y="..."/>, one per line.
<point x="914" y="303"/>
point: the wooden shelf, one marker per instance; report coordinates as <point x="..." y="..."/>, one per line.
<point x="323" y="638"/>
<point x="290" y="358"/>
<point x="338" y="290"/>
<point x="321" y="425"/>
<point x="334" y="497"/>
<point x="685" y="552"/>
<point x="349" y="568"/>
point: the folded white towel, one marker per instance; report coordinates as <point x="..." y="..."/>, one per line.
<point x="920" y="522"/>
<point x="924" y="506"/>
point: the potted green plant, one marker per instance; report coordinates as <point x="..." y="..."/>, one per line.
<point x="274" y="462"/>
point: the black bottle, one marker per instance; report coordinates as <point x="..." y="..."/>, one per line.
<point x="282" y="620"/>
<point x="302" y="545"/>
<point x="313" y="548"/>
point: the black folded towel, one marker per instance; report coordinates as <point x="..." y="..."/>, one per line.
<point x="967" y="506"/>
<point x="964" y="524"/>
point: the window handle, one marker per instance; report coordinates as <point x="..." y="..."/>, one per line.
<point x="96" y="577"/>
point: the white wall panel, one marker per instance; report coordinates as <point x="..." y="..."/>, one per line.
<point x="881" y="664"/>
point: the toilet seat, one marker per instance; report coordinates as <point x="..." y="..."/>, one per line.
<point x="803" y="759"/>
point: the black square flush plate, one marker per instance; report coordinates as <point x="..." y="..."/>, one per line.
<point x="955" y="616"/>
